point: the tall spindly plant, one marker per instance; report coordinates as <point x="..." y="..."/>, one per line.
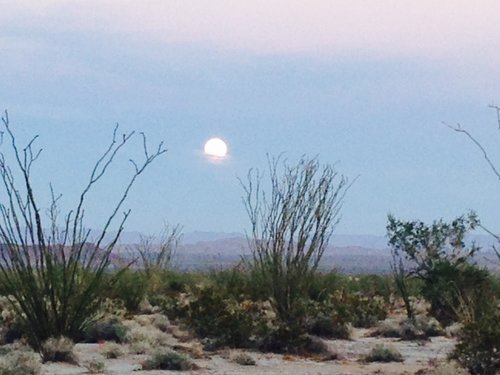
<point x="292" y="220"/>
<point x="53" y="269"/>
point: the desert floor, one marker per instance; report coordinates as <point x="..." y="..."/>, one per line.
<point x="417" y="355"/>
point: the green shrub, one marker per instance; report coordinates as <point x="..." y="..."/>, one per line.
<point x="444" y="284"/>
<point x="328" y="319"/>
<point x="110" y="329"/>
<point x="131" y="288"/>
<point x="383" y="353"/>
<point x="330" y="316"/>
<point x="168" y="360"/>
<point x="213" y="314"/>
<point x="329" y="327"/>
<point x="478" y="348"/>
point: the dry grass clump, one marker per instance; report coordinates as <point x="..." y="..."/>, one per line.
<point x="168" y="360"/>
<point x="96" y="367"/>
<point x="10" y="328"/>
<point x="20" y="362"/>
<point x="388" y="328"/>
<point x="142" y="338"/>
<point x="453" y="330"/>
<point x="422" y="327"/>
<point x="112" y="350"/>
<point x="160" y="322"/>
<point x="243" y="359"/>
<point x="384" y="353"/>
<point x="58" y="349"/>
<point x="140" y="347"/>
<point x="147" y="334"/>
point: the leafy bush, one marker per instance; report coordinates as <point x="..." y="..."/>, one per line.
<point x="438" y="256"/>
<point x="383" y="353"/>
<point x="168" y="360"/>
<point x="213" y="314"/>
<point x="328" y="319"/>
<point x="131" y="288"/>
<point x="444" y="284"/>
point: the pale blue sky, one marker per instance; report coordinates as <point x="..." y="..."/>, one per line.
<point x="362" y="83"/>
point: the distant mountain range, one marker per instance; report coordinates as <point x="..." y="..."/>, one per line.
<point x="352" y="254"/>
<point x="337" y="240"/>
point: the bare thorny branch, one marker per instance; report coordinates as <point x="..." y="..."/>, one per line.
<point x="458" y="128"/>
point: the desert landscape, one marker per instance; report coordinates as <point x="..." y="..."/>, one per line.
<point x="249" y="187"/>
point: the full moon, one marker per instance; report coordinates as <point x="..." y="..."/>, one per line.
<point x="215" y="148"/>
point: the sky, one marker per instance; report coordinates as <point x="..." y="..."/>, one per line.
<point x="365" y="85"/>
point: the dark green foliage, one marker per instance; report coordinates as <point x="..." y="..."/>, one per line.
<point x="445" y="282"/>
<point x="131" y="288"/>
<point x="365" y="311"/>
<point x="214" y="314"/>
<point x="284" y="339"/>
<point x="329" y="326"/>
<point x="168" y="360"/>
<point x="105" y="330"/>
<point x="330" y="316"/>
<point x="478" y="348"/>
<point x="437" y="255"/>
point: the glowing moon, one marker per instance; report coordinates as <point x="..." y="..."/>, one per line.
<point x="215" y="148"/>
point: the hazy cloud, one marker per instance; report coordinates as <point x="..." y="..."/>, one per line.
<point x="429" y="29"/>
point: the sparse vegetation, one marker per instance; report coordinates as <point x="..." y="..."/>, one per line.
<point x="112" y="350"/>
<point x="478" y="349"/>
<point x="20" y="362"/>
<point x="275" y="301"/>
<point x="384" y="353"/>
<point x="58" y="349"/>
<point x="96" y="367"/>
<point x="243" y="359"/>
<point x="168" y="360"/>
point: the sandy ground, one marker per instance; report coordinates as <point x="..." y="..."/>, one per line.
<point x="417" y="355"/>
